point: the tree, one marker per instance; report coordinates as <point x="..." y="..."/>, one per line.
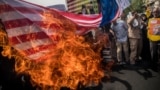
<point x="135" y="5"/>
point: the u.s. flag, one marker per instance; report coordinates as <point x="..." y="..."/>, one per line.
<point x="27" y="26"/>
<point x="28" y="32"/>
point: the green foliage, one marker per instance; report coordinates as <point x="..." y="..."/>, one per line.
<point x="135" y="5"/>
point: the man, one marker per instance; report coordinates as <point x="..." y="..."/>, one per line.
<point x="84" y="9"/>
<point x="154" y="37"/>
<point x="120" y="30"/>
<point x="135" y="37"/>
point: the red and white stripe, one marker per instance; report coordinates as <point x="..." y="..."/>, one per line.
<point x="27" y="32"/>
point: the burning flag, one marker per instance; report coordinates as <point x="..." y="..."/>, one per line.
<point x="45" y="47"/>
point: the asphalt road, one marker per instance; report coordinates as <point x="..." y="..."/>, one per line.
<point x="126" y="78"/>
<point x="133" y="79"/>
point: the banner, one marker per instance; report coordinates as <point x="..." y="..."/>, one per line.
<point x="154" y="26"/>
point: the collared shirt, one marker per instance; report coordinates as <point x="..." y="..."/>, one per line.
<point x="121" y="30"/>
<point x="134" y="31"/>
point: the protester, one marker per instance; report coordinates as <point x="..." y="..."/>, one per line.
<point x="107" y="29"/>
<point x="145" y="49"/>
<point x="135" y="37"/>
<point x="91" y="8"/>
<point x="103" y="41"/>
<point x="120" y="29"/>
<point x="84" y="9"/>
<point x="154" y="37"/>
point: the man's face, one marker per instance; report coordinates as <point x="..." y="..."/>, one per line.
<point x="135" y="14"/>
<point x="155" y="14"/>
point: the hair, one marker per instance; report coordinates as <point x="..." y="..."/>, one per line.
<point x="143" y="15"/>
<point x="83" y="6"/>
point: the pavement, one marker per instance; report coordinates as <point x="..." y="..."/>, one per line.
<point x="126" y="78"/>
<point x="133" y="79"/>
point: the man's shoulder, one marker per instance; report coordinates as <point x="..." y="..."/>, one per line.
<point x="121" y="21"/>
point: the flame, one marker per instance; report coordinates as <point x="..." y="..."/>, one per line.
<point x="71" y="62"/>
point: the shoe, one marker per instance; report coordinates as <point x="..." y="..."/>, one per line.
<point x="120" y="63"/>
<point x="133" y="66"/>
<point x="139" y="58"/>
<point x="127" y="62"/>
<point x="123" y="63"/>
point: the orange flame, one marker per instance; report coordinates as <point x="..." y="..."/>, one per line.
<point x="72" y="61"/>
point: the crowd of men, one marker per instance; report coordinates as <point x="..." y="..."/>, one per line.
<point x="133" y="37"/>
